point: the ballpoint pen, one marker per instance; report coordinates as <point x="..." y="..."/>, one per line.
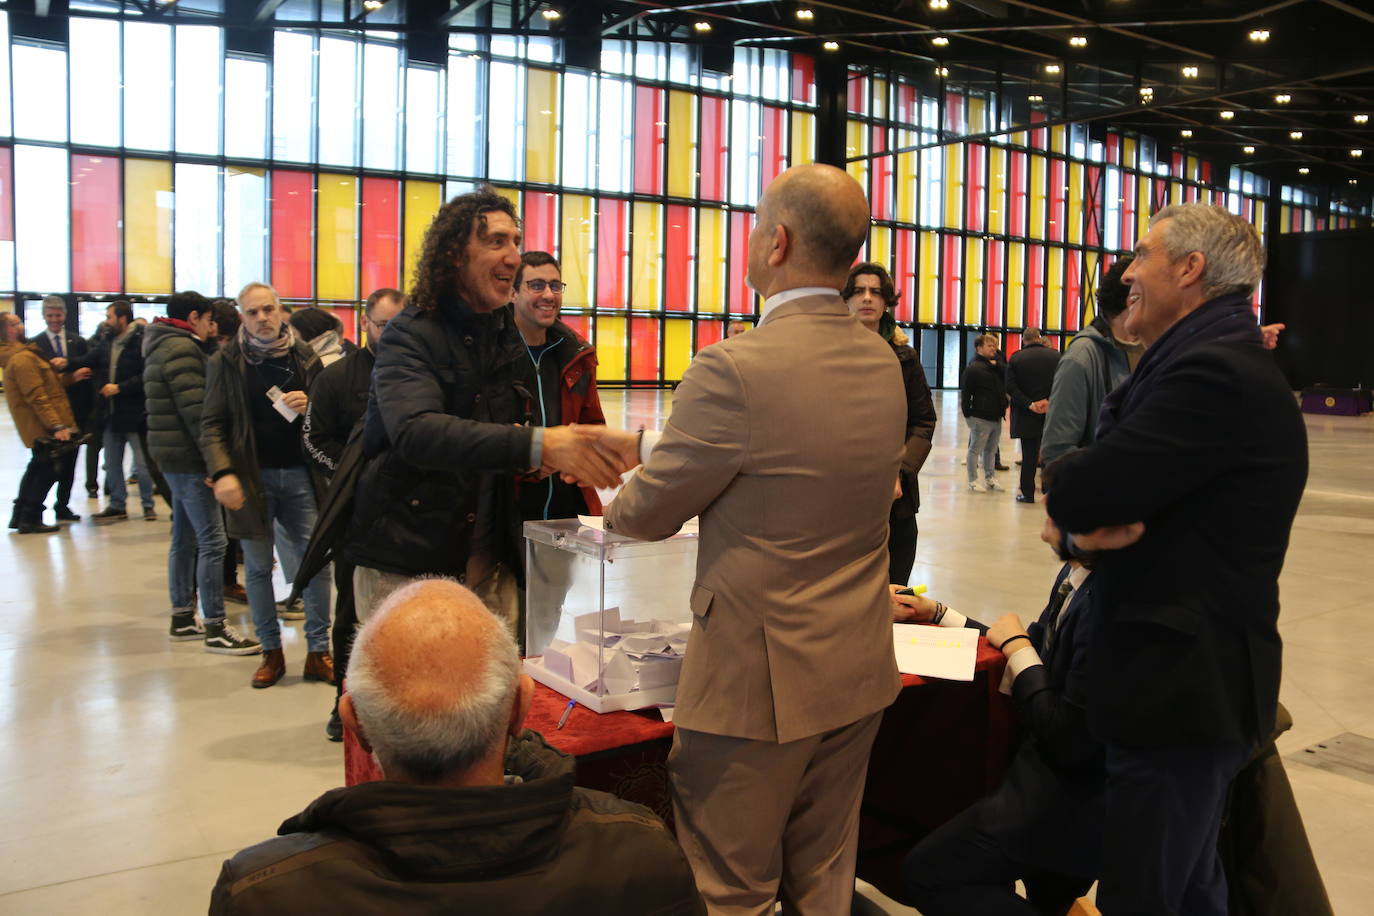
<point x="567" y="711"/>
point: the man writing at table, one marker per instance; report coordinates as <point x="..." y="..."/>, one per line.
<point x="787" y="442"/>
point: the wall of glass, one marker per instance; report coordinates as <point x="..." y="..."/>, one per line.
<point x="145" y="156"/>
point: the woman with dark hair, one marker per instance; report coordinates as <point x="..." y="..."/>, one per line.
<point x="871" y="296"/>
<point x="323" y="331"/>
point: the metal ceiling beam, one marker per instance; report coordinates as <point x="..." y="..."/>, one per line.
<point x="446" y="19"/>
<point x="266" y="9"/>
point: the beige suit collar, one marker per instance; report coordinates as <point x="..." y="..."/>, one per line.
<point x="811" y="305"/>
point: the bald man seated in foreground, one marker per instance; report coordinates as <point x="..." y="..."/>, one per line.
<point x="475" y="814"/>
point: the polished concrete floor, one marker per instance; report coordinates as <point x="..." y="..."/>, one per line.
<point x="132" y="766"/>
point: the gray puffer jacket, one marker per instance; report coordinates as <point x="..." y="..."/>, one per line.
<point x="1091" y="367"/>
<point x="174" y="363"/>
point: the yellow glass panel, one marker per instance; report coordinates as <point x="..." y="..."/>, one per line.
<point x="1016" y="285"/>
<point x="610" y="349"/>
<point x="1075" y="234"/>
<point x="1128" y="152"/>
<point x="977" y="114"/>
<point x="423" y="199"/>
<point x="1059" y="139"/>
<point x="803" y="138"/>
<point x="907" y="180"/>
<point x="973" y="281"/>
<point x="1142" y="206"/>
<point x="541" y="125"/>
<point x="997" y="190"/>
<point x="1194" y="168"/>
<point x="930" y="277"/>
<point x="510" y="194"/>
<point x="1054" y="283"/>
<point x="856" y="144"/>
<point x="677" y="348"/>
<point x="682" y="144"/>
<point x="1039" y="187"/>
<point x="575" y="244"/>
<point x="711" y="260"/>
<point x="879" y="108"/>
<point x="147" y="226"/>
<point x="1259" y="218"/>
<point x="954" y="186"/>
<point x="1020" y="138"/>
<point x="880" y="245"/>
<point x="336" y="237"/>
<point x="646" y="258"/>
<point x="1090" y="261"/>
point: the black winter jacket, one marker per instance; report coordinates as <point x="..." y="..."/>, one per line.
<point x="1030" y="376"/>
<point x="125" y="412"/>
<point x="920" y="429"/>
<point x="983" y="390"/>
<point x="174" y="362"/>
<point x="338" y="400"/>
<point x="441" y="438"/>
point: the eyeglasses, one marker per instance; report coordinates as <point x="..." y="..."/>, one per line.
<point x="538" y="286"/>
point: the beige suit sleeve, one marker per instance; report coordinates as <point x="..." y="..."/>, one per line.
<point x="701" y="451"/>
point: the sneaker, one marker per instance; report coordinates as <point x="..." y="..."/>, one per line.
<point x="236" y="593"/>
<point x="293" y="611"/>
<point x="972" y="487"/>
<point x="110" y="514"/>
<point x="149" y="515"/>
<point x="184" y="627"/>
<point x="223" y="639"/>
<point x="991" y="485"/>
<point x="333" y="729"/>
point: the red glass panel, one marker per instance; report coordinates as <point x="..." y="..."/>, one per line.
<point x="1161" y="195"/>
<point x="1040" y="137"/>
<point x="293" y="218"/>
<point x="950" y="276"/>
<point x="381" y="234"/>
<point x="1035" y="286"/>
<point x="611" y="241"/>
<point x="651" y="131"/>
<point x="741" y="297"/>
<point x="713" y="148"/>
<point x="774" y="143"/>
<point x="904" y="273"/>
<point x="709" y="332"/>
<point x="880" y="168"/>
<point x="1016" y="215"/>
<point x="1127" y="212"/>
<point x="579" y="323"/>
<point x="348" y="317"/>
<point x="539" y="221"/>
<point x="95" y="222"/>
<point x="994" y="282"/>
<point x="1073" y="284"/>
<point x="1206" y="172"/>
<point x="6" y="194"/>
<point x="907" y="110"/>
<point x="644" y="349"/>
<point x="975" y="187"/>
<point x="1321" y="224"/>
<point x="1056" y="215"/>
<point x="679" y="267"/>
<point x="1093" y="204"/>
<point x="1010" y="343"/>
<point x="1114" y="148"/>
<point x="954" y="112"/>
<point x="804" y="79"/>
<point x="858" y="94"/>
<point x="1177" y="161"/>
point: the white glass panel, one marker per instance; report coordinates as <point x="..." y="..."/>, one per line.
<point x="338" y="108"/>
<point x="90" y="313"/>
<point x="381" y="105"/>
<point x="467" y="126"/>
<point x="40" y="111"/>
<point x="245" y="108"/>
<point x="293" y="70"/>
<point x="4" y="73"/>
<point x="932" y="184"/>
<point x="505" y="146"/>
<point x="464" y="41"/>
<point x="544" y="50"/>
<point x="505" y="46"/>
<point x="681" y="65"/>
<point x="614" y="135"/>
<point x="1112" y="218"/>
<point x="41" y="225"/>
<point x="424" y="119"/>
<point x="199" y="52"/>
<point x="34" y="324"/>
<point x="617" y="56"/>
<point x="245" y="229"/>
<point x="147" y="86"/>
<point x="579" y="131"/>
<point x="651" y="61"/>
<point x="746" y="148"/>
<point x="95" y="81"/>
<point x="196" y="246"/>
<point x="776" y="76"/>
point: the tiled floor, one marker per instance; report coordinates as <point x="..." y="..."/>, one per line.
<point x="132" y="766"/>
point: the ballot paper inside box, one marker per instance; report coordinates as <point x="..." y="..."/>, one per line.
<point x="607" y="617"/>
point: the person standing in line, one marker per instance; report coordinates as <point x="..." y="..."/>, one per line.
<point x="871" y="296"/>
<point x="118" y="370"/>
<point x="983" y="402"/>
<point x="1030" y="376"/>
<point x="58" y="345"/>
<point x="227" y="329"/>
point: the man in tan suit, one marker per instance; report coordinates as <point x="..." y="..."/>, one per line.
<point x="787" y="442"/>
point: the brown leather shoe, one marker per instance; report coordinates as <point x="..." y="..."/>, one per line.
<point x="272" y="668"/>
<point x="319" y="666"/>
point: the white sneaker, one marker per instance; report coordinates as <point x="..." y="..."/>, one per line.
<point x="991" y="485"/>
<point x="972" y="487"/>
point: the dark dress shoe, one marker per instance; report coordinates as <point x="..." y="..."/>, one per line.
<point x="319" y="666"/>
<point x="235" y="593"/>
<point x="333" y="730"/>
<point x="66" y="515"/>
<point x="272" y="668"/>
<point x="1024" y="499"/>
<point x="92" y="493"/>
<point x="36" y="528"/>
<point x="1001" y="467"/>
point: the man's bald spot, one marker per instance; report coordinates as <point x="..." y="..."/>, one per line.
<point x="825" y="210"/>
<point x="430" y="643"/>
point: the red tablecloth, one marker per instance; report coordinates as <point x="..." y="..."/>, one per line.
<point x="942" y="746"/>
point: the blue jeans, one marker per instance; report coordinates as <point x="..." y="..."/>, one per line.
<point x="114" y="469"/>
<point x="291" y="513"/>
<point x="982" y="440"/>
<point x="196" y="560"/>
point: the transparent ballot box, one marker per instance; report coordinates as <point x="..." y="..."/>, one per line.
<point x="607" y="617"/>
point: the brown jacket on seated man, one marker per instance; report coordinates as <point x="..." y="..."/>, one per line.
<point x="475" y="815"/>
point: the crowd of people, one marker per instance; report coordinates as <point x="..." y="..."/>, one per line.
<point x="1173" y="461"/>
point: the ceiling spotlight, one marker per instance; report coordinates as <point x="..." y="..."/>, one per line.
<point x="1035" y="98"/>
<point x="1185" y="133"/>
<point x="702" y="25"/>
<point x="550" y="14"/>
<point x="1248" y="150"/>
<point x="1357" y="153"/>
<point x="1283" y="98"/>
<point x="373" y="5"/>
<point x="1190" y="73"/>
<point x="1147" y="90"/>
<point x="1259" y="34"/>
<point x="1354" y="181"/>
<point x="1051" y="68"/>
<point x="1304" y="170"/>
<point x="806" y="15"/>
<point x="940" y="41"/>
<point x="1361" y="119"/>
<point x="942" y="71"/>
<point x="939" y="4"/>
<point x="1295" y="135"/>
<point x="1078" y="41"/>
<point x="1227" y="115"/>
<point x="831" y="46"/>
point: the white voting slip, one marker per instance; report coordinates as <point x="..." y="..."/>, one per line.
<point x="943" y="652"/>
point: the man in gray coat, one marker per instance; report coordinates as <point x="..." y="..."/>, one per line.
<point x="175" y="354"/>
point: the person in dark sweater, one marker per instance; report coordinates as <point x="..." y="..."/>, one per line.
<point x="251" y="439"/>
<point x="117" y="368"/>
<point x="1030" y="376"/>
<point x="983" y="401"/>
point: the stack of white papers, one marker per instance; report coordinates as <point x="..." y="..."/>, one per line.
<point x="634" y="654"/>
<point x="943" y="652"/>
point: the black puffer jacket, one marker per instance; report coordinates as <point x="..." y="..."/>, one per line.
<point x="174" y="361"/>
<point x="124" y="413"/>
<point x="441" y="438"/>
<point x="542" y="847"/>
<point x="983" y="390"/>
<point x="338" y="400"/>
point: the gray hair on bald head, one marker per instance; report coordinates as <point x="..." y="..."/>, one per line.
<point x="1234" y="257"/>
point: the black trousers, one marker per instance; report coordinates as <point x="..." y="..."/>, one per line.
<point x="345" y="621"/>
<point x="1030" y="460"/>
<point x="901" y="549"/>
<point x="66" y="473"/>
<point x="231" y="562"/>
<point x="93" y="462"/>
<point x="38" y="479"/>
<point x="959" y="870"/>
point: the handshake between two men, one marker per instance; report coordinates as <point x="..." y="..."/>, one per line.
<point x="589" y="455"/>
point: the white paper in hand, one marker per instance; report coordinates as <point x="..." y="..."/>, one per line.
<point x="943" y="652"/>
